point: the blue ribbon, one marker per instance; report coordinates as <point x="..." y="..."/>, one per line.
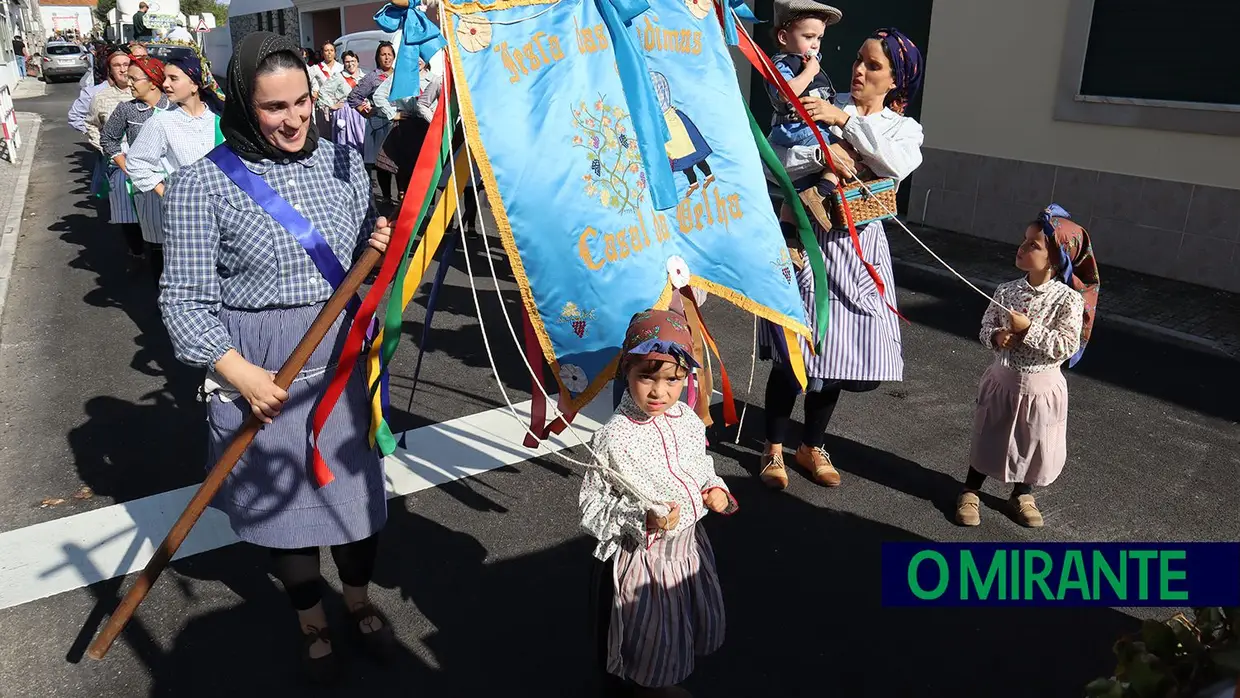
<point x="729" y="22"/>
<point x="660" y="346"/>
<point x="1048" y="229"/>
<point x="420" y="38"/>
<point x="445" y="262"/>
<point x="648" y="122"/>
<point x="311" y="240"/>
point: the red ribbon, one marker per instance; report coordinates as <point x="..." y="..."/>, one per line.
<point x="767" y="70"/>
<point x="419" y="185"/>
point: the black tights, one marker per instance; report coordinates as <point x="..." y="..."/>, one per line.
<point x="298" y="569"/>
<point x="155" y="255"/>
<point x="974" y="480"/>
<point x="781" y="397"/>
<point x="133" y="238"/>
<point x="385" y="181"/>
<point x="701" y="166"/>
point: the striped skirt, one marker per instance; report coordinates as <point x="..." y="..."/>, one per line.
<point x="151" y="215"/>
<point x="98" y="175"/>
<point x="119" y="200"/>
<point x="659" y="609"/>
<point x="270" y="497"/>
<point x="863" y="334"/>
<point x="377" y="130"/>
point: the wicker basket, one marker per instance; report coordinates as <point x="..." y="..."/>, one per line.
<point x="866" y="208"/>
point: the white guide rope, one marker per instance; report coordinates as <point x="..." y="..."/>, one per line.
<point x="611" y="473"/>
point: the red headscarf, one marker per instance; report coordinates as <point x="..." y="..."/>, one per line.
<point x="153" y="67"/>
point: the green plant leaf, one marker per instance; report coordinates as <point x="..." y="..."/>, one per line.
<point x="1146" y="678"/>
<point x="1228" y="659"/>
<point x="1160" y="639"/>
<point x="1104" y="688"/>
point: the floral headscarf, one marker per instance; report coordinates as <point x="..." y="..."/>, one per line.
<point x="658" y="335"/>
<point x="907" y="67"/>
<point x="153" y="67"/>
<point x="1077" y="266"/>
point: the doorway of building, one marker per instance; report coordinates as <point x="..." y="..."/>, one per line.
<point x="324" y="26"/>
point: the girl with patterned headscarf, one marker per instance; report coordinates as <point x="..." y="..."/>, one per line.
<point x="657" y="604"/>
<point x="1020" y="425"/>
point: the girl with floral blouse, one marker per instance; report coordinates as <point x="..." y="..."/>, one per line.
<point x="1020" y="426"/>
<point x="657" y="599"/>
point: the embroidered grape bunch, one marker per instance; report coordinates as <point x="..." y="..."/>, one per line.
<point x="616" y="178"/>
<point x="576" y="317"/>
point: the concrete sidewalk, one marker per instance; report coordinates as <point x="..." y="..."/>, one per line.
<point x="1186" y="313"/>
<point x="14" y="179"/>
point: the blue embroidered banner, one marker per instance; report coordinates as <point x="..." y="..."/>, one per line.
<point x="554" y="102"/>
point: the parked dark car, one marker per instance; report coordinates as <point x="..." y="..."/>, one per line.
<point x="62" y="59"/>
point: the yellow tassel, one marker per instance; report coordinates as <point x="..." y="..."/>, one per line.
<point x="795" y="358"/>
<point x="420" y="262"/>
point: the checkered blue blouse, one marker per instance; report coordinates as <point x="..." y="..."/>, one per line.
<point x="223" y="250"/>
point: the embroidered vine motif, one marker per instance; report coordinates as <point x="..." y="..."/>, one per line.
<point x="578" y="318"/>
<point x="616" y="177"/>
<point x="783" y="264"/>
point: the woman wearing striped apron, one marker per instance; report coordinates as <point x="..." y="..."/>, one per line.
<point x="378" y="125"/>
<point x="99" y="110"/>
<point x="169" y="141"/>
<point x="146" y="78"/>
<point x="240" y="291"/>
<point x="862" y="347"/>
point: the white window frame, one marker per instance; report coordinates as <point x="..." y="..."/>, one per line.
<point x="1163" y="115"/>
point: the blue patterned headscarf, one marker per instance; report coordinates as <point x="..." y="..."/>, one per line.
<point x="907" y="67"/>
<point x="192" y="68"/>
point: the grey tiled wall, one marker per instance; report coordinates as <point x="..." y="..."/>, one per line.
<point x="240" y="25"/>
<point x="1170" y="229"/>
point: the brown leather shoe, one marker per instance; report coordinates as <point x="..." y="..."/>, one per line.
<point x="968" y="512"/>
<point x="814" y="206"/>
<point x="774" y="474"/>
<point x="1025" y="511"/>
<point x="818" y="463"/>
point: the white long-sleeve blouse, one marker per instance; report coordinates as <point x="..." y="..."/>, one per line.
<point x="1056" y="313"/>
<point x="664" y="457"/>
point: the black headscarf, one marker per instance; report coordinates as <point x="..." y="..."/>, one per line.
<point x="239" y="124"/>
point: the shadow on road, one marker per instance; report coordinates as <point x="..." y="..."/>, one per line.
<point x="801" y="585"/>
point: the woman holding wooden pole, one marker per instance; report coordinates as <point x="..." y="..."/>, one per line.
<point x="258" y="234"/>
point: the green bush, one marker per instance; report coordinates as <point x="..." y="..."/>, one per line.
<point x="1176" y="658"/>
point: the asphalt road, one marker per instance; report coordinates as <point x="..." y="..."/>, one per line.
<point x="486" y="578"/>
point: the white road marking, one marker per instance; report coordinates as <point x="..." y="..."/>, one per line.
<point x="57" y="556"/>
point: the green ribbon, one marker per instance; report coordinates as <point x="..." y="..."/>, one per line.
<point x="393" y="318"/>
<point x="808" y="240"/>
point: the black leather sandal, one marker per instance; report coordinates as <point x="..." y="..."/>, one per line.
<point x="381" y="643"/>
<point x="320" y="670"/>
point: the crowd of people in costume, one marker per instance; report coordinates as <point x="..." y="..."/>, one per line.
<point x="206" y="185"/>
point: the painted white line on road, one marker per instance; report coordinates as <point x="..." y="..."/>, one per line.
<point x="57" y="556"/>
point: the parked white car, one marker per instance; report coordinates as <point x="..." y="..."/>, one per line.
<point x="364" y="44"/>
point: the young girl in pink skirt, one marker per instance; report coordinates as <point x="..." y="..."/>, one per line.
<point x="1020" y="426"/>
<point x="656" y="596"/>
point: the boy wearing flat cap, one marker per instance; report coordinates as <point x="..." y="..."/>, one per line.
<point x="799" y="28"/>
